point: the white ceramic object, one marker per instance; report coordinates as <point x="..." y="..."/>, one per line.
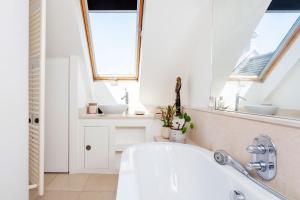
<point x="113" y="108"/>
<point x="262" y="109"/>
<point x="171" y="171"/>
<point x="177" y="136"/>
<point x="165" y="132"/>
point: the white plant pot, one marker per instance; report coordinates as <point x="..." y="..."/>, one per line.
<point x="165" y="132"/>
<point x="177" y="136"/>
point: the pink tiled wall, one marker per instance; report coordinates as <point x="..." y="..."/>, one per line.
<point x="214" y="131"/>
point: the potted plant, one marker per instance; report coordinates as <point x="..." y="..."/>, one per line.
<point x="167" y="116"/>
<point x="181" y="127"/>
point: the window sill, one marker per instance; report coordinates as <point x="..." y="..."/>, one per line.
<point x="253" y="117"/>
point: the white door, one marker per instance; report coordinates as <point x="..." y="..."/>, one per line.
<point x="57" y="115"/>
<point x="37" y="55"/>
<point x="96" y="147"/>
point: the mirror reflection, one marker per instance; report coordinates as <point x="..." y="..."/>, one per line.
<point x="256" y="63"/>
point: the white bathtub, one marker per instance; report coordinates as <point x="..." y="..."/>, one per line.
<point x="167" y="171"/>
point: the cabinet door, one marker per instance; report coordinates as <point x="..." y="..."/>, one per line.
<point x="96" y="147"/>
<point x="57" y="115"/>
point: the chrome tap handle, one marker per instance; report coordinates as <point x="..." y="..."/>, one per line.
<point x="256" y="149"/>
<point x="263" y="157"/>
<point x="257" y="166"/>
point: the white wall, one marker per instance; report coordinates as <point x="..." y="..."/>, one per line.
<point x="62" y="29"/>
<point x="287" y="94"/>
<point x="200" y="56"/>
<point x="14" y="21"/>
<point x="176" y="38"/>
<point x="84" y="94"/>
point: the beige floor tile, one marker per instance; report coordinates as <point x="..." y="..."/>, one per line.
<point x="49" y="177"/>
<point x="90" y="196"/>
<point x="101" y="183"/>
<point x="68" y="182"/>
<point x="59" y="195"/>
<point x="97" y="196"/>
<point x="108" y="195"/>
<point x="33" y="194"/>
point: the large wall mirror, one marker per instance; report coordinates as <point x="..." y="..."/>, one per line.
<point x="256" y="57"/>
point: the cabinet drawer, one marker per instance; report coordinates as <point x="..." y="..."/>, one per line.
<point x="96" y="140"/>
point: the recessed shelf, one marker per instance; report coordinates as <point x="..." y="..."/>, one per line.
<point x="127" y="136"/>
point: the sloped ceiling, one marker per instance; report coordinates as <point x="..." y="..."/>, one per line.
<point x="234" y="24"/>
<point x="66" y="36"/>
<point x="174" y="34"/>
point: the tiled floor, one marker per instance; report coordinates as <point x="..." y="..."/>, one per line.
<point x="78" y="187"/>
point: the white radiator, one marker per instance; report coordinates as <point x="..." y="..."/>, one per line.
<point x="37" y="24"/>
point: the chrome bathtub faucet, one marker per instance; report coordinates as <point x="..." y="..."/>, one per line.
<point x="263" y="159"/>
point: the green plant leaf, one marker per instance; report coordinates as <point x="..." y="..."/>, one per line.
<point x="180" y="116"/>
<point x="192" y="125"/>
<point x="188" y="119"/>
<point x="184" y="129"/>
<point x="185" y="115"/>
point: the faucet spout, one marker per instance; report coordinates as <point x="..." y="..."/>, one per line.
<point x="237" y="101"/>
<point x="126" y="97"/>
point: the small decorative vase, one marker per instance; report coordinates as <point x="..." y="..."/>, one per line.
<point x="165" y="132"/>
<point x="177" y="136"/>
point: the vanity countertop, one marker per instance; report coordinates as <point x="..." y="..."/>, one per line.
<point x="116" y="116"/>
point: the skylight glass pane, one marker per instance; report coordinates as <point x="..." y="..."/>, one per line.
<point x="114" y="38"/>
<point x="273" y="29"/>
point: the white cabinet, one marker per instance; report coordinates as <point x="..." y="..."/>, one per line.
<point x="57" y="115"/>
<point x="96" y="154"/>
<point x="100" y="141"/>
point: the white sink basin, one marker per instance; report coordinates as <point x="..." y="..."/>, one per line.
<point x="262" y="109"/>
<point x="113" y="108"/>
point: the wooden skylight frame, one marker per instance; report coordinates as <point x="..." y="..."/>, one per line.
<point x="140" y="11"/>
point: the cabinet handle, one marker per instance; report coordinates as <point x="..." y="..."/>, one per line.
<point x="88" y="147"/>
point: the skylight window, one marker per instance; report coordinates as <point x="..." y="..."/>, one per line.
<point x="114" y="41"/>
<point x="270" y="38"/>
<point x="113" y="30"/>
